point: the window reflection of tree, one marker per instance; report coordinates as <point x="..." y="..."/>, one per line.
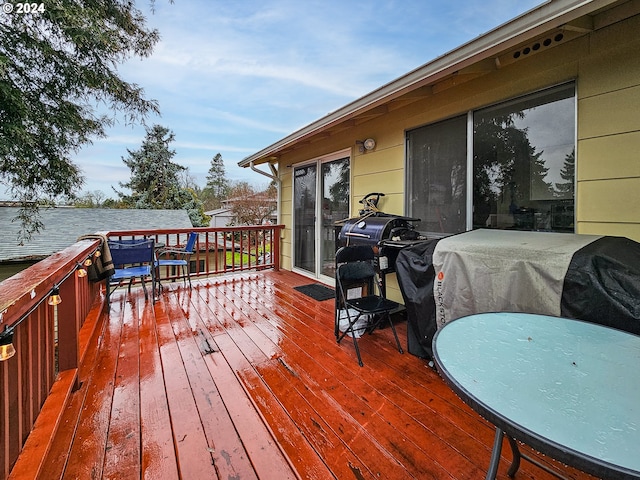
<point x="437" y="158"/>
<point x="567" y="173"/>
<point x="339" y="190"/>
<point x="507" y="168"/>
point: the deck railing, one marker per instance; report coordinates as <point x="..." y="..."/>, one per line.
<point x="49" y="339"/>
<point x="45" y="337"/>
<point x="219" y="250"/>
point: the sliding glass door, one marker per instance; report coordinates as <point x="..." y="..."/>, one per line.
<point x="305" y="181"/>
<point x="320" y="198"/>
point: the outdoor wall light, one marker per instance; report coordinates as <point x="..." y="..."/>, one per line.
<point x="366" y="145"/>
<point x="7" y="350"/>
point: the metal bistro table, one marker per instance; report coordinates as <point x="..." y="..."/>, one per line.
<point x="569" y="389"/>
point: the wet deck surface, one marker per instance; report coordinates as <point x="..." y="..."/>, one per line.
<point x="241" y="378"/>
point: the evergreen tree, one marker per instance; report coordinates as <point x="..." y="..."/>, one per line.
<point x="155" y="179"/>
<point x="218" y="187"/>
<point x="195" y="210"/>
<point x="567" y="173"/>
<point x="54" y="65"/>
<point x="507" y="167"/>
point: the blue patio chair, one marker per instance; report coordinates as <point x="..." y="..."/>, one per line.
<point x="176" y="257"/>
<point x="131" y="259"/>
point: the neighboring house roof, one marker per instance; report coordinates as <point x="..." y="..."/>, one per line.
<point x="217" y="212"/>
<point x="481" y="55"/>
<point x="258" y="197"/>
<point x="63" y="226"/>
<point x="220" y="217"/>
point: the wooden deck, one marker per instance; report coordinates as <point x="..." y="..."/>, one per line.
<point x="241" y="378"/>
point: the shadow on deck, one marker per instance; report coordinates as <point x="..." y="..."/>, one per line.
<point x="241" y="377"/>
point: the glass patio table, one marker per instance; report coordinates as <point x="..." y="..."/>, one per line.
<point x="567" y="388"/>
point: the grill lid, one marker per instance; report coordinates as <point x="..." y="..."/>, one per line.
<point x="373" y="229"/>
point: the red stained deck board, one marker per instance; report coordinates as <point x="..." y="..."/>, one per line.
<point x="300" y="453"/>
<point x="346" y="391"/>
<point x="283" y="429"/>
<point x="122" y="454"/>
<point x="262" y="448"/>
<point x="158" y="460"/>
<point x="225" y="365"/>
<point x="354" y="401"/>
<point x="86" y="456"/>
<point x="345" y="446"/>
<point x="393" y="439"/>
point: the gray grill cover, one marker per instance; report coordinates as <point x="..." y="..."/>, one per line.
<point x="592" y="278"/>
<point x="502" y="271"/>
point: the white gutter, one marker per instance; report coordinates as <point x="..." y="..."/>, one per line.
<point x="273" y="175"/>
<point x="550" y="15"/>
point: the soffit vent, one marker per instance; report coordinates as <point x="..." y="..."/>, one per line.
<point x="540" y="44"/>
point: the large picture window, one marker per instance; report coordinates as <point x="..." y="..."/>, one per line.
<point x="522" y="163"/>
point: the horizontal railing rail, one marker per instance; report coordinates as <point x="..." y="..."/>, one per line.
<point x="219" y="250"/>
<point x="47" y="338"/>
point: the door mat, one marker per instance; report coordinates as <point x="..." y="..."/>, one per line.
<point x="316" y="291"/>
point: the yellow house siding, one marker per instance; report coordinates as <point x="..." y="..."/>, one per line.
<point x="613" y="156"/>
<point x="379" y="172"/>
<point x="380" y="160"/>
<point x="286" y="209"/>
<point x="609" y="207"/>
<point x="629" y="230"/>
<point x="610" y="113"/>
<point x="608" y="162"/>
<point x="612" y="64"/>
<point x="609" y="201"/>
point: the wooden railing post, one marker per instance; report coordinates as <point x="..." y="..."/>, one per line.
<point x="69" y="323"/>
<point x="276" y="248"/>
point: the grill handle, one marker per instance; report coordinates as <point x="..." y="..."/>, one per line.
<point x="361" y="235"/>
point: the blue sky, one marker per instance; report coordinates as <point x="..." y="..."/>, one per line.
<point x="233" y="77"/>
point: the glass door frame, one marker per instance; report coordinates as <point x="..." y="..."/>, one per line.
<point x="318" y="162"/>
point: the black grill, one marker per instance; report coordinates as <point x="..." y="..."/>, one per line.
<point x="387" y="234"/>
